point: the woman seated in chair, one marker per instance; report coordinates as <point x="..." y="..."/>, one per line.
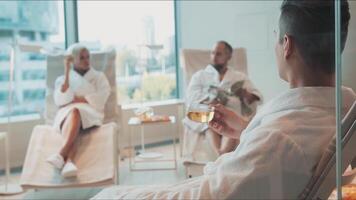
<point x="80" y="94"/>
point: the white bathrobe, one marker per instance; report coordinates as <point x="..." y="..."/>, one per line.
<point x="200" y="82"/>
<point x="194" y="149"/>
<point x="93" y="86"/>
<point x="276" y="156"/>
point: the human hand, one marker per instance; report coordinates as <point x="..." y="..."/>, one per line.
<point x="214" y="102"/>
<point x="67" y="63"/>
<point x="246" y="95"/>
<point x="250" y="98"/>
<point x="79" y="99"/>
<point x="65" y="86"/>
<point x="227" y="123"/>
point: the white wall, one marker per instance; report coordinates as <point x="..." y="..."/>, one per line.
<point x="349" y="55"/>
<point x="250" y="24"/>
<point x="18" y="141"/>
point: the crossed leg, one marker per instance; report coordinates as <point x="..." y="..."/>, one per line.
<point x="70" y="130"/>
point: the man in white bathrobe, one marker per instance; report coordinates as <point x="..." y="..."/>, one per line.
<point x="80" y="94"/>
<point x="283" y="143"/>
<point x="215" y="84"/>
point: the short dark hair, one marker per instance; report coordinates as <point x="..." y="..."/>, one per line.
<point x="228" y="47"/>
<point x="310" y="23"/>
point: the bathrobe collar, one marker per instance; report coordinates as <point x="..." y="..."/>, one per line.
<point x="308" y="96"/>
<point x="90" y="74"/>
<point x="211" y="70"/>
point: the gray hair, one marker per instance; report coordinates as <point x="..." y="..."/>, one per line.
<point x="311" y="24"/>
<point x="75" y="49"/>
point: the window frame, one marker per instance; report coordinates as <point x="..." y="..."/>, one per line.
<point x="68" y="35"/>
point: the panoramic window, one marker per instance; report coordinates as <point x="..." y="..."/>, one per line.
<point x="143" y="34"/>
<point x="27" y="23"/>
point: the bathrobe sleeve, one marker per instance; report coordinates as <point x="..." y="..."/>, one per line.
<point x="197" y="89"/>
<point x="249" y="86"/>
<point x="98" y="98"/>
<point x="246" y="173"/>
<point x="62" y="98"/>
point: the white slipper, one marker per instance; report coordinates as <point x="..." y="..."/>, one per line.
<point x="69" y="170"/>
<point x="56" y="160"/>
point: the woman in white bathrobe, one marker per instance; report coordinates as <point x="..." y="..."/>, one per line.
<point x="281" y="146"/>
<point x="80" y="94"/>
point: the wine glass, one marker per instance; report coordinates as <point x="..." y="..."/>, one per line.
<point x="201" y="113"/>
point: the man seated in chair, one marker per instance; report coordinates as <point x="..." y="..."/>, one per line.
<point x="220" y="83"/>
<point x="80" y="94"/>
<point x="283" y="143"/>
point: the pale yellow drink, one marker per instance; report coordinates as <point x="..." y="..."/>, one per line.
<point x="200" y="116"/>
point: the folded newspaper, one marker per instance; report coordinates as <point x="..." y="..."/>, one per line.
<point x="221" y="95"/>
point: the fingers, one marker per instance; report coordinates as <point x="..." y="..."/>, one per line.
<point x="218" y="112"/>
<point x="226" y="122"/>
<point x="227" y="114"/>
<point x="69" y="58"/>
<point x="223" y="129"/>
<point x="218" y="116"/>
<point x="223" y="112"/>
<point x="220" y="108"/>
<point x="216" y="126"/>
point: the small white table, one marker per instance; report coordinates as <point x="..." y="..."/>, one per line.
<point x="150" y="156"/>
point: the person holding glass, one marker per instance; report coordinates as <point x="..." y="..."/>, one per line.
<point x="219" y="83"/>
<point x="280" y="148"/>
<point x="80" y="94"/>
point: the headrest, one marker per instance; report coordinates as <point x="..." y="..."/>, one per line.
<point x="102" y="61"/>
<point x="193" y="60"/>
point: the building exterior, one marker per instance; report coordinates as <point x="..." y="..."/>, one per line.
<point x="25" y="21"/>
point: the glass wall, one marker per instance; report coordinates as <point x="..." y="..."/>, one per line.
<point x="32" y="23"/>
<point x="347" y="79"/>
<point x="144" y="37"/>
<point x="299" y="49"/>
<point x="291" y="60"/>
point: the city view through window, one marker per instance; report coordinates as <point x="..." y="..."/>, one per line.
<point x="27" y="22"/>
<point x="142" y="32"/>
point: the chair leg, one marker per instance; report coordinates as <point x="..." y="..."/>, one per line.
<point x="116" y="158"/>
<point x="117" y="171"/>
<point x="187" y="172"/>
